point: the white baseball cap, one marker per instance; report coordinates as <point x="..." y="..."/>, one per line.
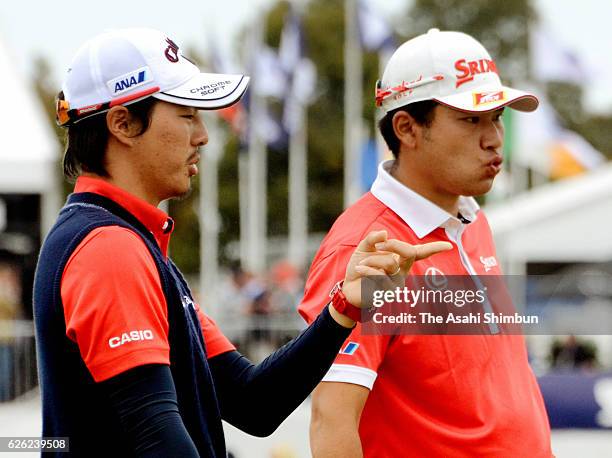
<point x="123" y="66"/>
<point x="451" y="68"/>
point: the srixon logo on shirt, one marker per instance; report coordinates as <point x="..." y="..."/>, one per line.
<point x="132" y="336"/>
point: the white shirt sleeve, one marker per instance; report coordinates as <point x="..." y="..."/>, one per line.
<point x="348" y="373"/>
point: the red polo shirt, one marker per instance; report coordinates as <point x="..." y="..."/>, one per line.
<point x="114" y="305"/>
<point x="431" y="395"/>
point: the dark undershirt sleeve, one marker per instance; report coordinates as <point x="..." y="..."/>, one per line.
<point x="145" y="401"/>
<point x="258" y="398"/>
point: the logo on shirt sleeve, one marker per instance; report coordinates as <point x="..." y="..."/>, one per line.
<point x="132" y="336"/>
<point x="488" y="263"/>
<point x="350" y="348"/>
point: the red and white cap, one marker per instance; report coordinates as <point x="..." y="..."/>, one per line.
<point x="123" y="66"/>
<point x="451" y="68"/>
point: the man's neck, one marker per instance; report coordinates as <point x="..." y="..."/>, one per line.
<point x="133" y="186"/>
<point x="423" y="187"/>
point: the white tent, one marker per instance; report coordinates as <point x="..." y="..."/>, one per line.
<point x="28" y="146"/>
<point x="565" y="221"/>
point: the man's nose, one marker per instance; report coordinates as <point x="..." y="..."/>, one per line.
<point x="200" y="134"/>
<point x="493" y="135"/>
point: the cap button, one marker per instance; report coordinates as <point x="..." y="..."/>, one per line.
<point x="434" y="30"/>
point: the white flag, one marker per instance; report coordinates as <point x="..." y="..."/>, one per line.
<point x="269" y="78"/>
<point x="551" y="61"/>
<point x="301" y="72"/>
<point x="290" y="48"/>
<point x="374" y="30"/>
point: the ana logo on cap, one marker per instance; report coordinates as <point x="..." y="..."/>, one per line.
<point x="129" y="81"/>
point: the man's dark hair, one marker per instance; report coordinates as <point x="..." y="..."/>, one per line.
<point x="86" y="140"/>
<point x="422" y="112"/>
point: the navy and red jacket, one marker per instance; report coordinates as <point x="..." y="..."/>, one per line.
<point x="254" y="398"/>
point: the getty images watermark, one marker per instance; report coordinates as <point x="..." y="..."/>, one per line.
<point x="486" y="304"/>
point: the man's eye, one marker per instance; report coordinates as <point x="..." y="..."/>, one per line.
<point x="188" y="116"/>
<point x="472" y="119"/>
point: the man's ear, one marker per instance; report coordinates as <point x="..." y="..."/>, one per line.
<point x="122" y="125"/>
<point x="406" y="129"/>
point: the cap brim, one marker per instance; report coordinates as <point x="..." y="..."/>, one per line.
<point x="483" y="101"/>
<point x="207" y="91"/>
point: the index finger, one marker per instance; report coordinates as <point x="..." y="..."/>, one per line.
<point x="428" y="249"/>
<point x="414" y="252"/>
<point x="369" y="242"/>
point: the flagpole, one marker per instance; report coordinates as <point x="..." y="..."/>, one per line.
<point x="257" y="170"/>
<point x="298" y="189"/>
<point x="243" y="203"/>
<point x="209" y="215"/>
<point x="295" y="121"/>
<point x="352" y="103"/>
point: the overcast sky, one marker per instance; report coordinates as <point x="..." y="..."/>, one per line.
<point x="56" y="29"/>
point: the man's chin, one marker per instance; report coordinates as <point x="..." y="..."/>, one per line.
<point x="182" y="193"/>
<point x="479" y="189"/>
<point x="185" y="194"/>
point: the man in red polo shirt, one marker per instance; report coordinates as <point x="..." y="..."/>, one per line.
<point x="389" y="396"/>
<point x="129" y="365"/>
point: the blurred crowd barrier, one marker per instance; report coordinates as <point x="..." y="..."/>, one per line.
<point x="18" y="373"/>
<point x="259" y="313"/>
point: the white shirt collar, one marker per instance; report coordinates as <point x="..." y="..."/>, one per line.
<point x="422" y="215"/>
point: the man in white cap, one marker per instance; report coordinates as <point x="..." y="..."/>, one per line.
<point x="404" y="395"/>
<point x="129" y="365"/>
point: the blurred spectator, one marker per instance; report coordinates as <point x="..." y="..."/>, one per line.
<point x="251" y="291"/>
<point x="259" y="312"/>
<point x="286" y="291"/>
<point x="243" y="294"/>
<point x="245" y="305"/>
<point x="10" y="295"/>
<point x="573" y="354"/>
<point x="287" y="287"/>
<point x="10" y="291"/>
